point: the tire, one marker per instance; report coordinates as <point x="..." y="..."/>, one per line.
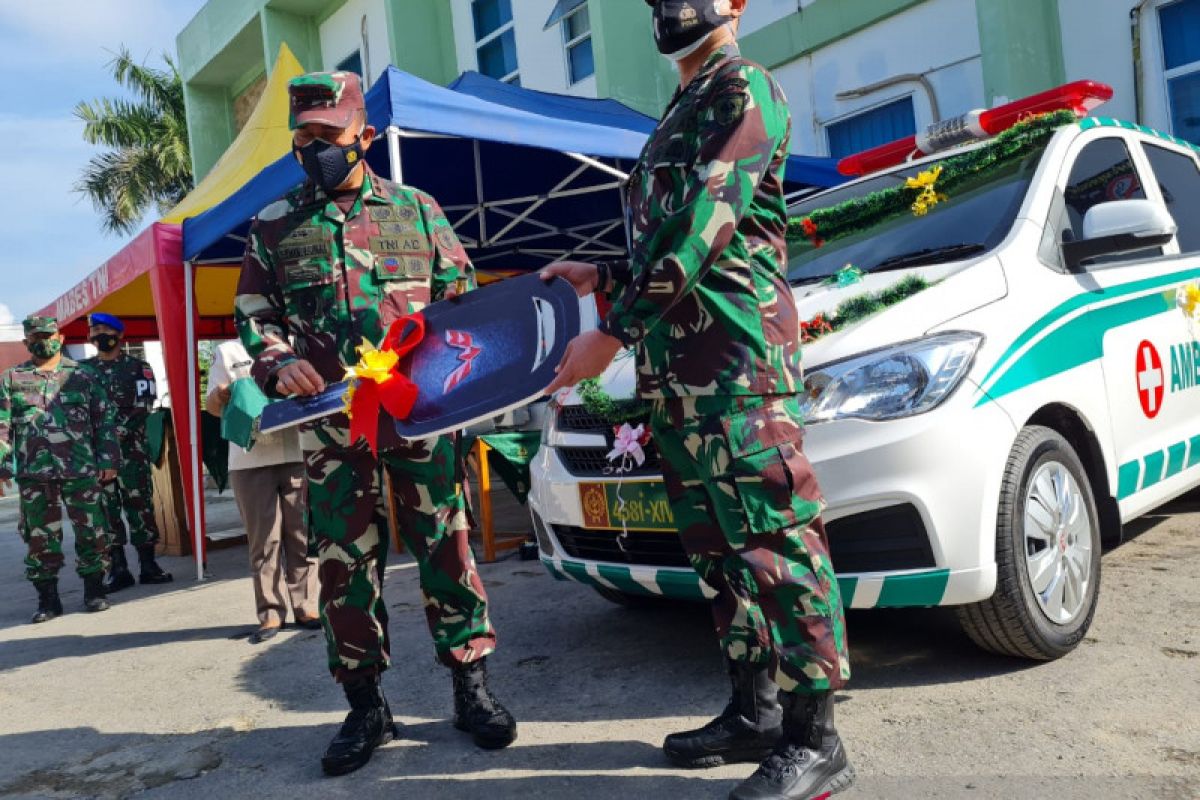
<point x="1015" y="620"/>
<point x="630" y="601"/>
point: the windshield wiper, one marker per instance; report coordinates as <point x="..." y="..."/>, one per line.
<point x="930" y="255"/>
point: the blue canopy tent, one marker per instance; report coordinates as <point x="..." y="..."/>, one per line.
<point x="525" y="177"/>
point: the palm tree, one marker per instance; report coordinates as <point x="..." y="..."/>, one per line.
<point x="149" y="163"/>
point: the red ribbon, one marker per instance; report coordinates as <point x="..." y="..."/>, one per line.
<point x="397" y="394"/>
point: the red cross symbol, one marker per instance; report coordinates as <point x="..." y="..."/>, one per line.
<point x="1150" y="380"/>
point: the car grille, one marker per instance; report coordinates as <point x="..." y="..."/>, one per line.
<point x="578" y="419"/>
<point x="645" y="548"/>
<point x="590" y="462"/>
<point x="882" y="540"/>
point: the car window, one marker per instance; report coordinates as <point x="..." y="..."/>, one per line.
<point x="972" y="220"/>
<point x="1103" y="172"/>
<point x="1179" y="179"/>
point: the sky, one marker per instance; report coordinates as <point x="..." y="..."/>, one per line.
<point x="53" y="56"/>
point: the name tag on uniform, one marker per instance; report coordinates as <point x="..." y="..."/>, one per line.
<point x="403" y="245"/>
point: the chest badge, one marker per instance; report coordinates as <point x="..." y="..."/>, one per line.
<point x="465" y="342"/>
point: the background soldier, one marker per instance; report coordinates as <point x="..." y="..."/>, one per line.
<point x="338" y="260"/>
<point x="55" y="428"/>
<point x="706" y="304"/>
<point x="130" y="385"/>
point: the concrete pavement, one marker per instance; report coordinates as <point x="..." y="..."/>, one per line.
<point x="164" y="695"/>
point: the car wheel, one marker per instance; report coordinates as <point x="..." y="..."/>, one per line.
<point x="1047" y="554"/>
<point x="632" y="601"/>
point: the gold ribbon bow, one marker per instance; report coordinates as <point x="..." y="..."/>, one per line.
<point x="926" y="184"/>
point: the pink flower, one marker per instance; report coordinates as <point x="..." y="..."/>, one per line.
<point x="628" y="444"/>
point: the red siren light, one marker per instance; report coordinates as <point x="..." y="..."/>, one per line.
<point x="1081" y="97"/>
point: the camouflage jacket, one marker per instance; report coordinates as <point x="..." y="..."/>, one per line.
<point x="57" y="424"/>
<point x="130" y="385"/>
<point x="705" y="300"/>
<point x="316" y="281"/>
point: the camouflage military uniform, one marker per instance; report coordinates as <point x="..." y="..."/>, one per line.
<point x="57" y="425"/>
<point x="327" y="279"/>
<point x="130" y="385"/>
<point x="706" y="304"/>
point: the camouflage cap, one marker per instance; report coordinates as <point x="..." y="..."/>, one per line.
<point x="35" y="324"/>
<point x="330" y="98"/>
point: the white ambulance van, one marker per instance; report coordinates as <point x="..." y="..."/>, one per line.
<point x="1036" y="388"/>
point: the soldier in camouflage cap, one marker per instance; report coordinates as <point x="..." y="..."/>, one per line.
<point x="131" y="388"/>
<point x="705" y="303"/>
<point x="56" y="439"/>
<point x="336" y="260"/>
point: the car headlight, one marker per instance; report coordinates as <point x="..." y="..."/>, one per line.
<point x="894" y="382"/>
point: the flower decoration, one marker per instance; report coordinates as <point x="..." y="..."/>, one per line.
<point x="927" y="194"/>
<point x="376" y="382"/>
<point x="627" y="451"/>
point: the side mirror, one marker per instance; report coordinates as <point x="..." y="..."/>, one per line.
<point x="1120" y="226"/>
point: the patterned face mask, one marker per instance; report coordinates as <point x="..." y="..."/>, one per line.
<point x="44" y="348"/>
<point x="329" y="165"/>
<point x="682" y="26"/>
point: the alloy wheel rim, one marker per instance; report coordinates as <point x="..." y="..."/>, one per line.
<point x="1058" y="543"/>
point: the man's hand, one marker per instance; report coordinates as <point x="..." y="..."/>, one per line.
<point x="299" y="378"/>
<point x="224" y="394"/>
<point x="584" y="277"/>
<point x="108" y="475"/>
<point x="5" y="485"/>
<point x="587" y="355"/>
<point x="455" y="290"/>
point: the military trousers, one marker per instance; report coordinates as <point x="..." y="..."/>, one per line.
<point x="348" y="525"/>
<point x="42" y="526"/>
<point x="748" y="506"/>
<point x="131" y="496"/>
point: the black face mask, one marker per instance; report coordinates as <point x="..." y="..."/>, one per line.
<point x="681" y="26"/>
<point x="328" y="164"/>
<point x="105" y="342"/>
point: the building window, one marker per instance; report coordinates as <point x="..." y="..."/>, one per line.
<point x="351" y="63"/>
<point x="577" y="39"/>
<point x="1180" y="25"/>
<point x="872" y="128"/>
<point x="495" y="41"/>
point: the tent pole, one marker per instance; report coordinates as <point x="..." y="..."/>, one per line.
<point x="393" y="139"/>
<point x="192" y="399"/>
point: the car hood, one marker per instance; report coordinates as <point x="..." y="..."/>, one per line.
<point x="955" y="289"/>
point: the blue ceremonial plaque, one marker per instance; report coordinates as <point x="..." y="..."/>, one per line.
<point x="488" y="352"/>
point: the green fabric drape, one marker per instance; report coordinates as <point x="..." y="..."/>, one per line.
<point x="156" y="434"/>
<point x="246" y="404"/>
<point x="514" y="450"/>
<point x="215" y="450"/>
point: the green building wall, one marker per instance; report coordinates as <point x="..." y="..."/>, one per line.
<point x="229" y="44"/>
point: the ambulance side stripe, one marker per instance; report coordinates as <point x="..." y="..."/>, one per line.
<point x="1154" y="468"/>
<point x="1078" y="340"/>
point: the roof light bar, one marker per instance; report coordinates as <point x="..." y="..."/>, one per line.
<point x="1081" y="97"/>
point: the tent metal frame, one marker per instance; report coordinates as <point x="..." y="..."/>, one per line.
<point x="589" y="243"/>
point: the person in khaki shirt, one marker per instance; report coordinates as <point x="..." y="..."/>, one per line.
<point x="269" y="487"/>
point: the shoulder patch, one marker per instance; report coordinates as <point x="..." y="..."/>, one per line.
<point x="729" y="107"/>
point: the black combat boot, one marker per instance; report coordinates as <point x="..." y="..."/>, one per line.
<point x="478" y="712"/>
<point x="151" y="572"/>
<point x="746" y="730"/>
<point x="49" y="606"/>
<point x="368" y="725"/>
<point x="809" y="761"/>
<point x="119" y="576"/>
<point x="93" y="592"/>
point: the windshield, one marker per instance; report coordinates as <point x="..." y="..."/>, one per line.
<point x="874" y="226"/>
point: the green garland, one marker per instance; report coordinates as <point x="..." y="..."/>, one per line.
<point x="862" y="213"/>
<point x="858" y="308"/>
<point x="600" y="404"/>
